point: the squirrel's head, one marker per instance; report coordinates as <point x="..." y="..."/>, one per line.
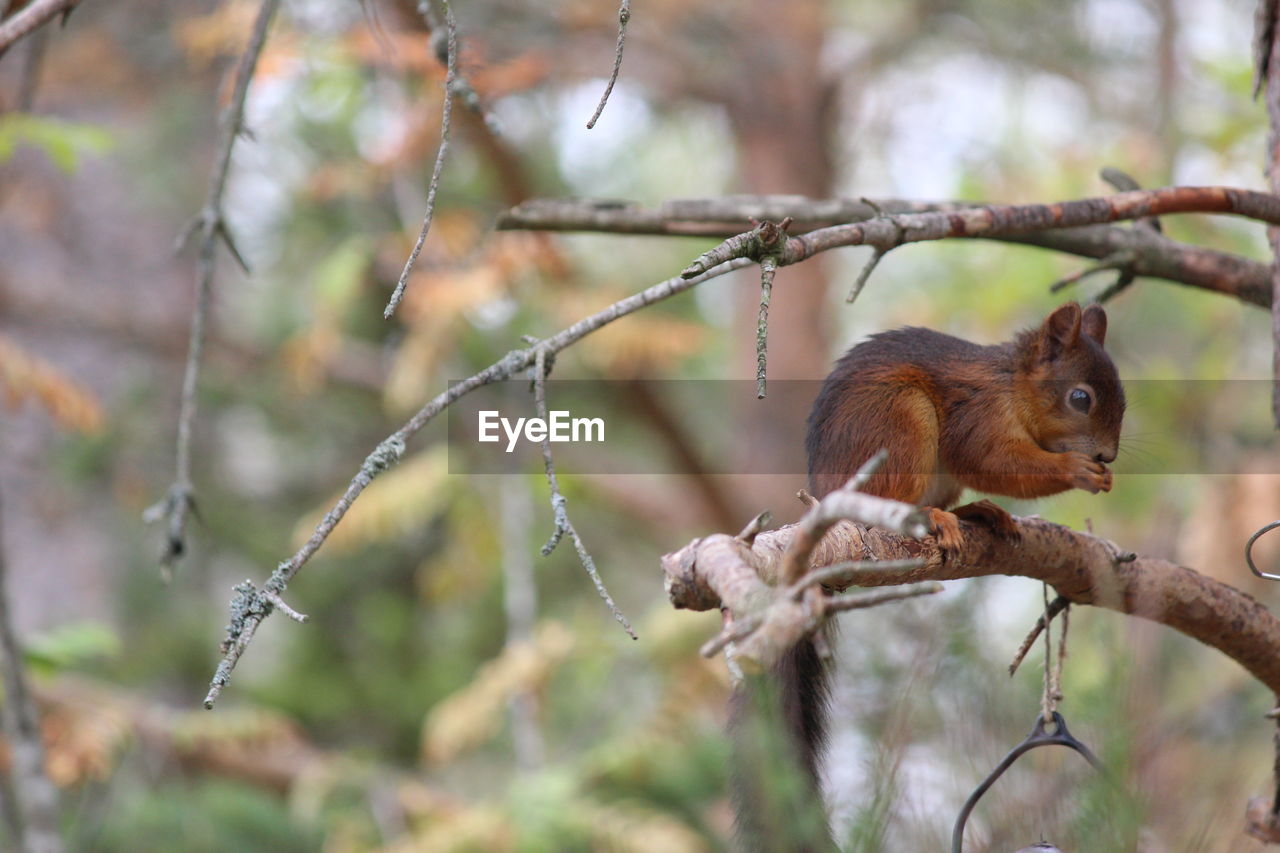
<point x="1071" y="391"/>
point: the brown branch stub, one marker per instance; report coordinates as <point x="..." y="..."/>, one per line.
<point x="33" y="16"/>
<point x="624" y="17"/>
<point x="754" y="527"/>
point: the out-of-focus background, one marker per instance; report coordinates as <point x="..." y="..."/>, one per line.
<point x="454" y="690"/>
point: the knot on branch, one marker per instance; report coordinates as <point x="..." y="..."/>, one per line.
<point x="248" y="604"/>
<point x="765" y="240"/>
<point x="385" y="455"/>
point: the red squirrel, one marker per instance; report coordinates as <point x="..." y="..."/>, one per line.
<point x="1032" y="417"/>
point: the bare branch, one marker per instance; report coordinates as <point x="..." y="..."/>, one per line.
<point x="451" y="76"/>
<point x="37" y="798"/>
<point x="388" y="452"/>
<point x="558" y="503"/>
<point x="212" y="226"/>
<point x="713" y="571"/>
<point x="990" y="220"/>
<point x="33" y="16"/>
<point x="768" y="266"/>
<point x="624" y="16"/>
<point x="1055" y="607"/>
<point x="875" y="599"/>
<point x="1155" y="255"/>
<point x="771" y="236"/>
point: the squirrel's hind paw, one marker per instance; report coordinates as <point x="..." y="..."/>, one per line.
<point x="990" y="515"/>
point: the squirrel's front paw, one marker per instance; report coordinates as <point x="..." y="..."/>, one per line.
<point x="945" y="528"/>
<point x="1087" y="473"/>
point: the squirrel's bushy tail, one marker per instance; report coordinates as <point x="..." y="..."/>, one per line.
<point x="778" y="725"/>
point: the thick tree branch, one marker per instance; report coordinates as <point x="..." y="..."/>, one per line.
<point x="32" y="17"/>
<point x="989" y="220"/>
<point x="1153" y="255"/>
<point x="1084" y="569"/>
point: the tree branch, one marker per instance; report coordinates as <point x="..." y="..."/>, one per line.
<point x="624" y="16"/>
<point x="990" y="220"/>
<point x="1084" y="569"/>
<point x="1153" y="255"/>
<point x="31" y="18"/>
<point x="251" y="606"/>
<point x="451" y="77"/>
<point x="212" y="225"/>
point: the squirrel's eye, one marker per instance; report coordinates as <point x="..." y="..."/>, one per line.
<point x="1080" y="400"/>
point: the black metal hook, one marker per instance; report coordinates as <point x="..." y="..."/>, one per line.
<point x="1248" y="552"/>
<point x="1038" y="737"/>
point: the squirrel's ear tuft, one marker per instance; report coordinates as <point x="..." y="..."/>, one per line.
<point x="1094" y="323"/>
<point x="1060" y="331"/>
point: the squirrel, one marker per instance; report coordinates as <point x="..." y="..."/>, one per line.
<point x="1032" y="417"/>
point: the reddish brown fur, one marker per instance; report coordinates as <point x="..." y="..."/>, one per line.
<point x="950" y="414"/>
<point x="954" y="414"/>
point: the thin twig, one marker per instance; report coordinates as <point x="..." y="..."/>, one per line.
<point x="180" y="500"/>
<point x="558" y="503"/>
<point x="389" y="451"/>
<point x="1048" y="700"/>
<point x="841" y="603"/>
<point x="1121" y="260"/>
<point x="37" y="798"/>
<point x="864" y="274"/>
<point x="446" y="113"/>
<point x="840" y="571"/>
<point x="768" y="266"/>
<point x="462" y="88"/>
<point x="624" y="16"/>
<point x="739" y="629"/>
<point x="32" y="17"/>
<point x="877" y="255"/>
<point x="1055" y="607"/>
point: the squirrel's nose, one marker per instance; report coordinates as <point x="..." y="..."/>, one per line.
<point x="1105" y="458"/>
